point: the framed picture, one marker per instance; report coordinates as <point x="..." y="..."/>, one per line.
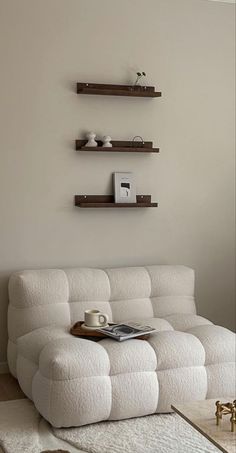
<point x="124" y="187"/>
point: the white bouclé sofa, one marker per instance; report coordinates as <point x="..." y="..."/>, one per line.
<point x="73" y="381"/>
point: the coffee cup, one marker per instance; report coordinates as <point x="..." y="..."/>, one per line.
<point x="94" y="318"/>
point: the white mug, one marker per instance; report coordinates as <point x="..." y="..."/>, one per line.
<point x="94" y="318"/>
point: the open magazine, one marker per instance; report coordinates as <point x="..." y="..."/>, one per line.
<point x="122" y="332"/>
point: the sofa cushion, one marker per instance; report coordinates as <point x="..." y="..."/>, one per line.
<point x="181" y="384"/>
<point x="129" y="356"/>
<point x="177" y="349"/>
<point x="129" y="283"/>
<point x="131" y="309"/>
<point x="74" y="402"/>
<point x="171" y="280"/>
<point x="41" y="287"/>
<point x="185" y="321"/>
<point x="31" y="344"/>
<point x="159" y="324"/>
<point x="134" y="394"/>
<point x="82" y="288"/>
<point x="71" y="358"/>
<point x="221" y="379"/>
<point x="26" y="320"/>
<point x="218" y="342"/>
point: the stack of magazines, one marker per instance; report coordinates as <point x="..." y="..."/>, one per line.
<point x="122" y="332"/>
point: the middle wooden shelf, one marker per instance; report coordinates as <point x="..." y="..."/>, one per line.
<point x="118" y="146"/>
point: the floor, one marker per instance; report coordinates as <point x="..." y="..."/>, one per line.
<point x="9" y="388"/>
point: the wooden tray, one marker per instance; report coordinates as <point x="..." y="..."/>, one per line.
<point x="78" y="331"/>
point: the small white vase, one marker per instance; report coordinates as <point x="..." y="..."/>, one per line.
<point x="91" y="139"/>
<point x="106" y="141"/>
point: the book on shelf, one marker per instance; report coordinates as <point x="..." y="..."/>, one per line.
<point x="126" y="331"/>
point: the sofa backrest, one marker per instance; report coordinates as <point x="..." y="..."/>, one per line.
<point x="40" y="298"/>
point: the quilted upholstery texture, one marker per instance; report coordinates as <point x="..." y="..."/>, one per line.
<point x="74" y="382"/>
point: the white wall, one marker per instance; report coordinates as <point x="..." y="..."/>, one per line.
<point x="187" y="49"/>
<point x="223" y="1"/>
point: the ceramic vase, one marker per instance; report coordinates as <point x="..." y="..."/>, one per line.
<point x="91" y="139"/>
<point x="106" y="141"/>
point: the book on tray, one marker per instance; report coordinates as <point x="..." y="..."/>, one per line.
<point x="126" y="331"/>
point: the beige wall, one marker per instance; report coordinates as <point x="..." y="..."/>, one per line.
<point x="186" y="48"/>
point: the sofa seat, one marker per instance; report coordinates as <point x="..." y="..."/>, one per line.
<point x="73" y="381"/>
<point x="124" y="379"/>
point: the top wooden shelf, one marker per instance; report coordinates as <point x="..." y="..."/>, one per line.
<point x="118" y="90"/>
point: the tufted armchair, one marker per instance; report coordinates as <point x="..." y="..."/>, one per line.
<point x="73" y="381"/>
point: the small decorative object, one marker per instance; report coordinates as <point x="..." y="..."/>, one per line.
<point x="124" y="187"/>
<point x="91" y="139"/>
<point x="224" y="409"/>
<point x="106" y="141"/>
<point x="139" y="76"/>
<point x="138" y="143"/>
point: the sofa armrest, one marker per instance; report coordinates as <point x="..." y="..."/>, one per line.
<point x="73" y="358"/>
<point x="31" y="344"/>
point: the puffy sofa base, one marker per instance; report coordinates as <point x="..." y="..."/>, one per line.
<point x="74" y="382"/>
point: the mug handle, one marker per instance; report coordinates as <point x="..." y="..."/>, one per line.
<point x="105" y="320"/>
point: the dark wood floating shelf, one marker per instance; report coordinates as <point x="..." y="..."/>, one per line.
<point x="107" y="201"/>
<point x="118" y="146"/>
<point x="117" y="90"/>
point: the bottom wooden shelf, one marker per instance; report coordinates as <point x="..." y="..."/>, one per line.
<point x="108" y="201"/>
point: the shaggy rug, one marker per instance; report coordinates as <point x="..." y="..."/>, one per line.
<point x="23" y="430"/>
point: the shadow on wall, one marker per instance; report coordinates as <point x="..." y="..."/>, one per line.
<point x="4" y="278"/>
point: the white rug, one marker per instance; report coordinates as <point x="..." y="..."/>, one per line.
<point x="23" y="430"/>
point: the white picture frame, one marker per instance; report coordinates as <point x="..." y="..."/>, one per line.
<point x="124" y="187"/>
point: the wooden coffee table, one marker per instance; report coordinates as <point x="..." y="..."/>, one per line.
<point x="201" y="415"/>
